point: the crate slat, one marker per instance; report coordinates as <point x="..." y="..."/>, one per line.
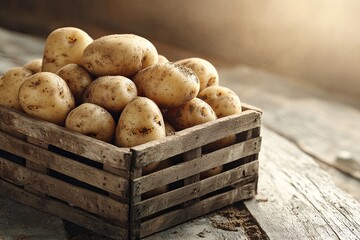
<point x="194" y="137"/>
<point x="82" y="172"/>
<point x="64" y="211"/>
<point x="83" y="198"/>
<point x="65" y="139"/>
<point x="240" y="175"/>
<point x="186" y="169"/>
<point x="208" y="205"/>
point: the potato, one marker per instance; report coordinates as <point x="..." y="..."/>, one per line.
<point x="223" y="100"/>
<point x="34" y="65"/>
<point x="141" y="121"/>
<point x="169" y="85"/>
<point x="111" y="92"/>
<point x="46" y="95"/>
<point x="169" y="129"/>
<point x="119" y="54"/>
<point x="91" y="120"/>
<point x="63" y="46"/>
<point x="204" y="70"/>
<point x="77" y="78"/>
<point x="162" y="59"/>
<point x="192" y="113"/>
<point x="10" y="83"/>
<point x="211" y="172"/>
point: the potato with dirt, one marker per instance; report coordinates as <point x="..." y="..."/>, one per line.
<point x="10" y="83"/>
<point x="63" y="46"/>
<point x="91" y="120"/>
<point x="167" y="84"/>
<point x="119" y="54"/>
<point x="47" y="96"/>
<point x="204" y="70"/>
<point x="77" y="78"/>
<point x="111" y="92"/>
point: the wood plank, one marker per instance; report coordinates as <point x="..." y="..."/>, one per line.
<point x="65" y="139"/>
<point x="186" y="169"/>
<point x="194" y="137"/>
<point x="80" y="197"/>
<point x="298" y="200"/>
<point x="135" y="221"/>
<point x="64" y="211"/>
<point x="241" y="175"/>
<point x="82" y="172"/>
<point x="205" y="206"/>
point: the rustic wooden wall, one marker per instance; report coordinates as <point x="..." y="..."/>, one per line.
<point x="315" y="42"/>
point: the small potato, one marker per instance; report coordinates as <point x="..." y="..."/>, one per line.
<point x="77" y="78"/>
<point x="34" y="65"/>
<point x="10" y="83"/>
<point x="119" y="54"/>
<point x="170" y="130"/>
<point x="192" y="113"/>
<point x="111" y="92"/>
<point x="223" y="100"/>
<point x="141" y="121"/>
<point x="204" y="70"/>
<point x="47" y="96"/>
<point x="169" y="85"/>
<point x="91" y="120"/>
<point x="211" y="172"/>
<point x="162" y="59"/>
<point x="63" y="46"/>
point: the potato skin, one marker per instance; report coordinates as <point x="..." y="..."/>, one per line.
<point x="223" y="100"/>
<point x="91" y="120"/>
<point x="34" y="65"/>
<point x="168" y="84"/>
<point x="141" y="121"/>
<point x="192" y="113"/>
<point x="63" y="46"/>
<point x="204" y="70"/>
<point x="46" y="95"/>
<point x="77" y="78"/>
<point x="119" y="54"/>
<point x="10" y="83"/>
<point x="111" y="92"/>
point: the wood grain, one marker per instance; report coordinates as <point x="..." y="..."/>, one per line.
<point x="294" y="193"/>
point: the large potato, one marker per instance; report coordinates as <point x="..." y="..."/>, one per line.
<point x="77" y="78"/>
<point x="91" y="120"/>
<point x="111" y="92"/>
<point x="204" y="70"/>
<point x="119" y="54"/>
<point x="223" y="100"/>
<point x="141" y="121"/>
<point x="168" y="84"/>
<point x="63" y="46"/>
<point x="10" y="83"/>
<point x="46" y="95"/>
<point x="192" y="113"/>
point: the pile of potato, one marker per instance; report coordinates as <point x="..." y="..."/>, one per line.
<point x="116" y="88"/>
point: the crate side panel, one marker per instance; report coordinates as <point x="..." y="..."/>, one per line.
<point x="53" y="134"/>
<point x="46" y="159"/>
<point x="205" y="206"/>
<point x="241" y="175"/>
<point x="64" y="211"/>
<point x="203" y="163"/>
<point x="83" y="198"/>
<point x="194" y="137"/>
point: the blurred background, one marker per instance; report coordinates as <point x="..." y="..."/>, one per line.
<point x="316" y="42"/>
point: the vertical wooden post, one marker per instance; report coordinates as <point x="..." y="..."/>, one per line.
<point x="135" y="221"/>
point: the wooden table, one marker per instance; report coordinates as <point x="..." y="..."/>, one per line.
<point x="297" y="199"/>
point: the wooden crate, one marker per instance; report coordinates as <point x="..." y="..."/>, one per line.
<point x="101" y="187"/>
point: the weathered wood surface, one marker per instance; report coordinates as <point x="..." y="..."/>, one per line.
<point x="322" y="124"/>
